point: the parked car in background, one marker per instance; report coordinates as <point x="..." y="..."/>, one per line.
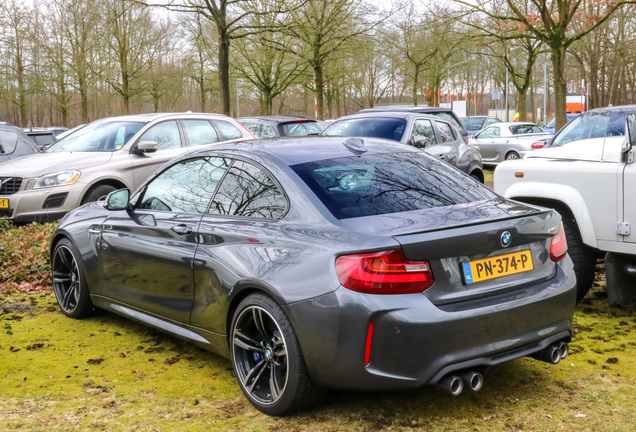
<point x="57" y="130"/>
<point x="507" y="141"/>
<point x="280" y="125"/>
<point x="435" y="135"/>
<point x="445" y="113"/>
<point x="367" y="266"/>
<point x="103" y="156"/>
<point x="14" y="143"/>
<point x="550" y="126"/>
<point x="474" y="124"/>
<point x="41" y="137"/>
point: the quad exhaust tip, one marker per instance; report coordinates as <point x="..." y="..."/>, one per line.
<point x="554" y="353"/>
<point x="455" y="384"/>
<point x="474" y="380"/>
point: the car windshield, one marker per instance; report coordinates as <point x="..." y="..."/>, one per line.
<point x="300" y="128"/>
<point x="388" y="183"/>
<point x="473" y="123"/>
<point x="551" y="123"/>
<point x="98" y="137"/>
<point x="376" y="127"/>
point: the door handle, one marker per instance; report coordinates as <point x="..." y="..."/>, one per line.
<point x="182" y="229"/>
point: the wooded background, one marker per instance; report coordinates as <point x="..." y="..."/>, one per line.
<point x="67" y="62"/>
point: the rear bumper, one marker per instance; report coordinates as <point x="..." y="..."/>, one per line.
<point x="416" y="343"/>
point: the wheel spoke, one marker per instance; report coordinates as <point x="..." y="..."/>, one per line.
<point x="274" y="386"/>
<point x="65" y="259"/>
<point x="59" y="277"/>
<point x="256" y="370"/>
<point x="247" y="343"/>
<point x="66" y="300"/>
<point x="257" y="315"/>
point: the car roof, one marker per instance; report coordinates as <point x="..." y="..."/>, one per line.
<point x="422" y="109"/>
<point x="297" y="150"/>
<point x="283" y="118"/>
<point x="38" y="131"/>
<point x="390" y="114"/>
<point x="506" y="124"/>
<point x="148" y="117"/>
<point x="610" y="108"/>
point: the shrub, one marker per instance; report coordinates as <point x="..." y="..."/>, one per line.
<point x="24" y="255"/>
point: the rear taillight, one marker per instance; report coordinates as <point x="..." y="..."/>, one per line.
<point x="558" y="245"/>
<point x="538" y="144"/>
<point x="386" y="272"/>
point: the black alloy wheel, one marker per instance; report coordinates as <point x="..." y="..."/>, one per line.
<point x="267" y="358"/>
<point x="68" y="281"/>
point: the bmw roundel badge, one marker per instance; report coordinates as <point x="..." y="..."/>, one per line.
<point x="506" y="238"/>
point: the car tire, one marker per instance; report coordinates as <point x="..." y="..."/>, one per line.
<point x="582" y="256"/>
<point x="69" y="281"/>
<point x="512" y="155"/>
<point x="477" y="175"/>
<point x="97" y="192"/>
<point x="267" y="358"/>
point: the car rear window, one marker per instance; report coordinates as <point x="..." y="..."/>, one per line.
<point x="388" y="183"/>
<point x="473" y="123"/>
<point x="376" y="127"/>
<point x="300" y="128"/>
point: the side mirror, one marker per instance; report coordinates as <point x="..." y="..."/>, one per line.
<point x="146" y="147"/>
<point x="631" y="133"/>
<point x="117" y="200"/>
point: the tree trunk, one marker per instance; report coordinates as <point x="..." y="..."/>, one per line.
<point x="521" y="106"/>
<point x="560" y="87"/>
<point x="269" y="102"/>
<point x="319" y="89"/>
<point x="83" y="99"/>
<point x="224" y="70"/>
<point x="416" y="79"/>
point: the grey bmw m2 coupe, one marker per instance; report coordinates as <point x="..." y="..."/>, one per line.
<point x="325" y="262"/>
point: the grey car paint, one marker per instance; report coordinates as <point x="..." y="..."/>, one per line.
<point x="189" y="285"/>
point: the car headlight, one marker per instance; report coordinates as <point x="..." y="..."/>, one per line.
<point x="59" y="178"/>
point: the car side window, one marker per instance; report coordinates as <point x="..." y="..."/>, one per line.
<point x="266" y="131"/>
<point x="165" y="134"/>
<point x="8" y="141"/>
<point x="445" y="132"/>
<point x="423" y="135"/>
<point x="200" y="132"/>
<point x="186" y="187"/>
<point x="253" y="127"/>
<point x="229" y="131"/>
<point x="537" y="129"/>
<point x="248" y="191"/>
<point x="491" y="132"/>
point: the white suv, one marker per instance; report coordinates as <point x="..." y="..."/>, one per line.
<point x="587" y="173"/>
<point x="105" y="155"/>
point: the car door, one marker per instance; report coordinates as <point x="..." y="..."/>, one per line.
<point x="486" y="140"/>
<point x="167" y="135"/>
<point x="447" y="148"/>
<point x="147" y="251"/>
<point x="236" y="239"/>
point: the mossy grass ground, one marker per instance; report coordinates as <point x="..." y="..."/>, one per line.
<point x="106" y="373"/>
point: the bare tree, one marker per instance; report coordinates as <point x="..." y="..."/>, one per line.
<point x="132" y="40"/>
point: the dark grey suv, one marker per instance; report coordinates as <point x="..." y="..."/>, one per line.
<point x="436" y="136"/>
<point x="14" y="143"/>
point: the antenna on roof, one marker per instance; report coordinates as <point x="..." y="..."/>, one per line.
<point x="355" y="145"/>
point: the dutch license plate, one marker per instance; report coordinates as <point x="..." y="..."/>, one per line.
<point x="4" y="203"/>
<point x="497" y="266"/>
